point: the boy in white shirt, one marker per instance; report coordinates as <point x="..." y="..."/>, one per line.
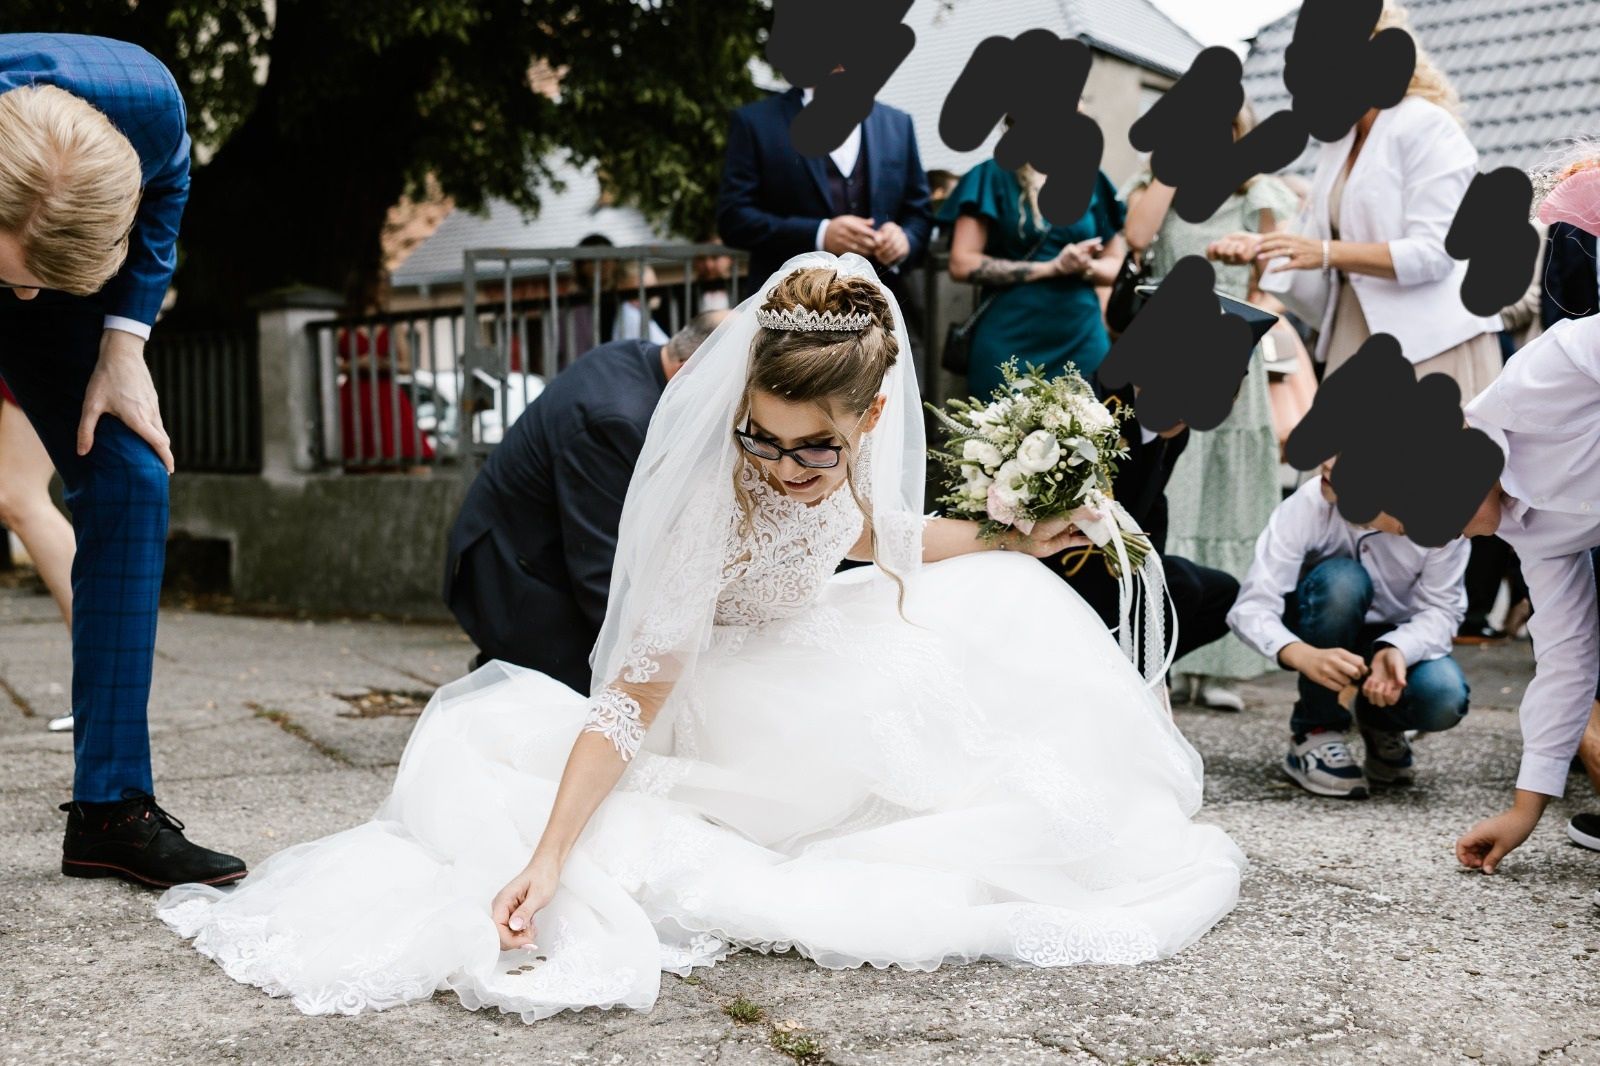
<point x="1347" y="606"/>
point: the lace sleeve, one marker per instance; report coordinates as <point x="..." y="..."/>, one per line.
<point x="674" y="598"/>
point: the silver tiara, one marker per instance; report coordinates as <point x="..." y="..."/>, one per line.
<point x="805" y="320"/>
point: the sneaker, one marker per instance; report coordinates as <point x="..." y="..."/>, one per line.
<point x="1320" y="762"/>
<point x="1388" y="757"/>
<point x="1584" y="831"/>
<point x="60" y="725"/>
<point x="139" y="842"/>
<point x="1217" y="696"/>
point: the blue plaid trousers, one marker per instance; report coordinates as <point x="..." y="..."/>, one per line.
<point x="118" y="498"/>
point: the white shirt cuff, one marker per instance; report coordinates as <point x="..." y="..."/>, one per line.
<point x="128" y="325"/>
<point x="822" y="230"/>
<point x="1541" y="773"/>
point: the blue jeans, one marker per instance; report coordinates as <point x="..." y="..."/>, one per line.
<point x="1328" y="610"/>
<point x="118" y="498"/>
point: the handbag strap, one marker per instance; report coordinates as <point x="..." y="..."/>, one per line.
<point x="977" y="312"/>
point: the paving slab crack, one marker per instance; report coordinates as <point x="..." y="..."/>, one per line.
<point x="282" y="720"/>
<point x="18" y="699"/>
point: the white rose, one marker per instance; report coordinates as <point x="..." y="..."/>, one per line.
<point x="1040" y="451"/>
<point x="983" y="453"/>
<point x="1093" y="416"/>
<point x="1057" y="419"/>
<point x="1012" y="480"/>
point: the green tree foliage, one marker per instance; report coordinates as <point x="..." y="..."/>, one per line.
<point x="313" y="117"/>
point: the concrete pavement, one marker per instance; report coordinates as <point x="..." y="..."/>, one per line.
<point x="1357" y="938"/>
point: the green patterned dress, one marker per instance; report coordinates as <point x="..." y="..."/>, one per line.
<point x="1225" y="485"/>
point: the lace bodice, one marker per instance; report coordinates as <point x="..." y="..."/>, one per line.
<point x="778" y="566"/>
<point x="771" y="568"/>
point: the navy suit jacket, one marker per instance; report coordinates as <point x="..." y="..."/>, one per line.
<point x="1571" y="288"/>
<point x="772" y="198"/>
<point x="530" y="554"/>
<point x="131" y="88"/>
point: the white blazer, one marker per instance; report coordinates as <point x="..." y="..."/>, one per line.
<point x="1404" y="190"/>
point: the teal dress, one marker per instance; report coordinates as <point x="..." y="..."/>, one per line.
<point x="1047" y="324"/>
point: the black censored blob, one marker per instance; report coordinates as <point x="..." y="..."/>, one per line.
<point x="1036" y="79"/>
<point x="1402" y="445"/>
<point x="1492" y="233"/>
<point x="1182" y="352"/>
<point x="807" y="46"/>
<point x="1189" y="135"/>
<point x="1336" y="69"/>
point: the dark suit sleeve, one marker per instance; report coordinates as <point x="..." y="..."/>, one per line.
<point x="591" y="481"/>
<point x="916" y="219"/>
<point x="742" y="221"/>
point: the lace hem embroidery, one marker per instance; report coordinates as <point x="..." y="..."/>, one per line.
<point x="616" y="716"/>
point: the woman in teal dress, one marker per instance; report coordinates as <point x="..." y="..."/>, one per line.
<point x="1045" y="309"/>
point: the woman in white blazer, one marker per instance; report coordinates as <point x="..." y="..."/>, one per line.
<point x="1367" y="253"/>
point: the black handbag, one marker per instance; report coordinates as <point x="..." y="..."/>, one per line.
<point x="1125" y="299"/>
<point x="956" y="356"/>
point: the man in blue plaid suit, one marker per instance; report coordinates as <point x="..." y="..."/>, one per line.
<point x="94" y="174"/>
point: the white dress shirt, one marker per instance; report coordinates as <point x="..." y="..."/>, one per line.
<point x="1544" y="412"/>
<point x="1417" y="590"/>
<point x="844" y="157"/>
<point x="1403" y="191"/>
<point x="127" y="325"/>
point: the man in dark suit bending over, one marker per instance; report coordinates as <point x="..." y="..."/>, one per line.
<point x="530" y="554"/>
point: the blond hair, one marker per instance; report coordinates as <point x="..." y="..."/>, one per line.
<point x="69" y="187"/>
<point x="1427" y="80"/>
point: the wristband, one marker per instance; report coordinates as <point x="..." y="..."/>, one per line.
<point x="1327" y="254"/>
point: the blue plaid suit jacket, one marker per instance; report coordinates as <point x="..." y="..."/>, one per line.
<point x="140" y="97"/>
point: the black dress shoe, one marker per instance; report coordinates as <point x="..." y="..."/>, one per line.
<point x="139" y="842"/>
<point x="1478" y="634"/>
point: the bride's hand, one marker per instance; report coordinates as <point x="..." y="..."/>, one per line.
<point x="1049" y="537"/>
<point x="517" y="903"/>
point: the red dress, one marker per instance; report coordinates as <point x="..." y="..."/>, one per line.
<point x="5" y="394"/>
<point x="366" y="387"/>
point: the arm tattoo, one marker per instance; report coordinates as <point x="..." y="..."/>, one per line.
<point x="1000" y="272"/>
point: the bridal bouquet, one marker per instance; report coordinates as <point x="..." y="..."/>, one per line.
<point x="1040" y="448"/>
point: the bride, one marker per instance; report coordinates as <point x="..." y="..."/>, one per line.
<point x="906" y="764"/>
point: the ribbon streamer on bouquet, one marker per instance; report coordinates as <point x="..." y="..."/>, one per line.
<point x="1150" y="622"/>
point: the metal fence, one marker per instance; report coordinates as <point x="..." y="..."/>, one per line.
<point x="388" y="390"/>
<point x="210" y="390"/>
<point x="441" y="386"/>
<point x="554" y="304"/>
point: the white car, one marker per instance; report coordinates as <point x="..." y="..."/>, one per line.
<point x="500" y="402"/>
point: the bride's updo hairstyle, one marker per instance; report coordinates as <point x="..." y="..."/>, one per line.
<point x="841" y="371"/>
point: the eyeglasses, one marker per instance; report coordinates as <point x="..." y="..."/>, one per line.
<point x="812" y="456"/>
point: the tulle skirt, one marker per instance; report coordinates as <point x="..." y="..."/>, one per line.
<point x="976" y="773"/>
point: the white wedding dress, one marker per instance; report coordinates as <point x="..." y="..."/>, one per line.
<point x="978" y="773"/>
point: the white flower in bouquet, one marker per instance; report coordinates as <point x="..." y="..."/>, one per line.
<point x="1011" y="481"/>
<point x="984" y="453"/>
<point x="1092" y="415"/>
<point x="1039" y="452"/>
<point x="978" y="483"/>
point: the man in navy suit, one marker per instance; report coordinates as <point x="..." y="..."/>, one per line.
<point x="868" y="196"/>
<point x="94" y="175"/>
